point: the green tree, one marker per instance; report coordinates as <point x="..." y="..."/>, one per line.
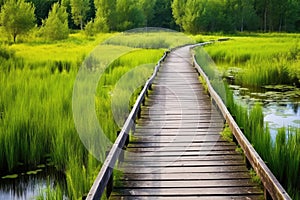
<point x="292" y="18"/>
<point x="42" y="8"/>
<point x="129" y="15"/>
<point x="105" y="15"/>
<point x="67" y="5"/>
<point x="163" y="15"/>
<point x="17" y="17"/>
<point x="240" y="15"/>
<point x="148" y="9"/>
<point x="178" y="10"/>
<point x="79" y="9"/>
<point x="56" y="26"/>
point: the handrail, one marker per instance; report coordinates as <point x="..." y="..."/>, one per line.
<point x="105" y="174"/>
<point x="271" y="184"/>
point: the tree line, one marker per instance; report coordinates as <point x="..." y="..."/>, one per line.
<point x="192" y="16"/>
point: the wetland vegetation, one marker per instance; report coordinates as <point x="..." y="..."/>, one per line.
<point x="260" y="66"/>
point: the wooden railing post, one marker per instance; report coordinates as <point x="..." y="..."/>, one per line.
<point x="139" y="114"/>
<point x="110" y="183"/>
<point x="267" y="194"/>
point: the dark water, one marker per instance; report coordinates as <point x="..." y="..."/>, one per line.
<point x="281" y="108"/>
<point x="30" y="184"/>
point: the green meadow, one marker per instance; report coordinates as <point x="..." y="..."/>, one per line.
<point x="254" y="62"/>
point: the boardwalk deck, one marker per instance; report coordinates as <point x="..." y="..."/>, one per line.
<point x="177" y="151"/>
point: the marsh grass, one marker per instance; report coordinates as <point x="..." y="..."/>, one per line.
<point x="36" y="122"/>
<point x="282" y="155"/>
<point x="264" y="60"/>
<point x="150" y="39"/>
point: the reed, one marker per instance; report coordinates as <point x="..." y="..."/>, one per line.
<point x="268" y="59"/>
<point x="36" y="122"/>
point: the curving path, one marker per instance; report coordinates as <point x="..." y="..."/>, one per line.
<point x="176" y="151"/>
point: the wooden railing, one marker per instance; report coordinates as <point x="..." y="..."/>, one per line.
<point x="105" y="176"/>
<point x="271" y="185"/>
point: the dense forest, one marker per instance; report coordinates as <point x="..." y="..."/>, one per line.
<point x="192" y="16"/>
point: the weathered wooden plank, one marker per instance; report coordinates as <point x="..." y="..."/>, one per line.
<point x="187" y="134"/>
<point x="182" y="144"/>
<point x="184" y="163"/>
<point x="185" y="158"/>
<point x="195" y="197"/>
<point x="185" y="119"/>
<point x="180" y="139"/>
<point x="175" y="170"/>
<point x="189" y="191"/>
<point x="187" y="184"/>
<point x="166" y="132"/>
<point x="180" y="149"/>
<point x="183" y="154"/>
<point x="144" y="121"/>
<point x="187" y="176"/>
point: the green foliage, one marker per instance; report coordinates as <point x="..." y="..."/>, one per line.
<point x="89" y="29"/>
<point x="56" y="26"/>
<point x="79" y="9"/>
<point x="42" y="8"/>
<point x="178" y="11"/>
<point x="227" y="134"/>
<point x="129" y="15"/>
<point x="6" y="53"/>
<point x="97" y="26"/>
<point x="17" y="17"/>
<point x="148" y="9"/>
<point x="196" y="16"/>
<point x="105" y="15"/>
<point x="162" y="16"/>
<point x="254" y="177"/>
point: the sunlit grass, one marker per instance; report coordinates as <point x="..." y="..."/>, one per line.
<point x="36" y="121"/>
<point x="151" y="39"/>
<point x="263" y="60"/>
<point x="73" y="49"/>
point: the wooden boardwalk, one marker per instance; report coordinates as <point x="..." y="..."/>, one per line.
<point x="176" y="151"/>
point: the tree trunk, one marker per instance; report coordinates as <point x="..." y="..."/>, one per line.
<point x="242" y="25"/>
<point x="15" y="37"/>
<point x="265" y="20"/>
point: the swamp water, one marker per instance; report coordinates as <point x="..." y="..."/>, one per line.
<point x="281" y="104"/>
<point x="30" y="184"/>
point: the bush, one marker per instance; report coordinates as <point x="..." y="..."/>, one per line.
<point x="56" y="26"/>
<point x="6" y="53"/>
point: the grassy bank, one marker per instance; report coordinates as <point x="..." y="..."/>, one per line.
<point x="267" y="59"/>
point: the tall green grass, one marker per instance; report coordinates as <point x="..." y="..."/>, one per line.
<point x="150" y="38"/>
<point x="36" y="121"/>
<point x="263" y="60"/>
<point x="283" y="155"/>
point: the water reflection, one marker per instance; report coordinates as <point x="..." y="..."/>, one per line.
<point x="281" y="109"/>
<point x="26" y="186"/>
